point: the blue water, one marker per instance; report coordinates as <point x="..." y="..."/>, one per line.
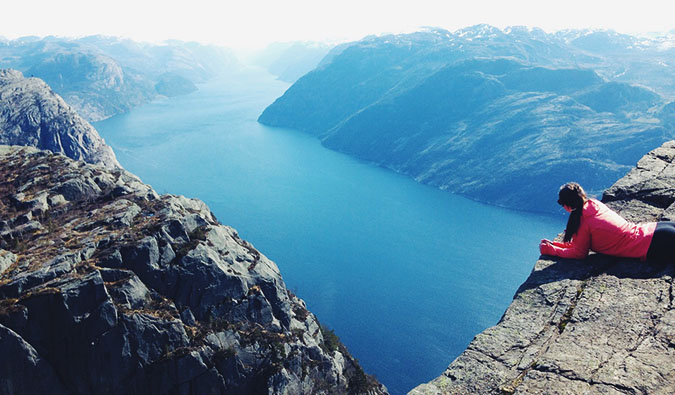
<point x="405" y="274"/>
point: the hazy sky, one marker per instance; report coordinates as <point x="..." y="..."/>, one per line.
<point x="245" y="23"/>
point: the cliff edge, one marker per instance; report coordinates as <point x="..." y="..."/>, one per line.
<point x="108" y="288"/>
<point x="602" y="325"/>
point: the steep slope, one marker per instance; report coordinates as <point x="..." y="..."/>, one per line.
<point x="601" y="325"/>
<point x="359" y="74"/>
<point x="107" y="287"/>
<point x="499" y="131"/>
<point x="498" y="116"/>
<point x="31" y="114"/>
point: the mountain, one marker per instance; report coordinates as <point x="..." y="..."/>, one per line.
<point x="32" y="114"/>
<point x="599" y="325"/>
<point x="194" y="61"/>
<point x="170" y="84"/>
<point x="104" y="76"/>
<point x="635" y="60"/>
<point x="107" y="287"/>
<point x="667" y="115"/>
<point x="498" y="116"/>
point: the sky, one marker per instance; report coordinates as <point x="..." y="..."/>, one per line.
<point x="255" y="23"/>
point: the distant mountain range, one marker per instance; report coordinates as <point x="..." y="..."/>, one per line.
<point x="104" y="76"/>
<point x="501" y="116"/>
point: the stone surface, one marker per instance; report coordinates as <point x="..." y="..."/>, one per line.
<point x="602" y="325"/>
<point x="32" y="115"/>
<point x="107" y="287"/>
<point x="27" y="372"/>
<point x="6" y="260"/>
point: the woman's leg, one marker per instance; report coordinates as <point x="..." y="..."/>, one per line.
<point x="662" y="247"/>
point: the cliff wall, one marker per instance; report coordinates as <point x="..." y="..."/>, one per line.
<point x="108" y="288"/>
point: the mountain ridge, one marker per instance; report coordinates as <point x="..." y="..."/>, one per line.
<point x="404" y="101"/>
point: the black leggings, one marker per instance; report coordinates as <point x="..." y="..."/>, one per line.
<point x="662" y="248"/>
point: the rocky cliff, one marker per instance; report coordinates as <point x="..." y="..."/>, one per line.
<point x="32" y="114"/>
<point x="602" y="325"/>
<point x="108" y="288"/>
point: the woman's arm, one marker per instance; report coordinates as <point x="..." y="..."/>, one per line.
<point x="576" y="249"/>
<point x="559" y="244"/>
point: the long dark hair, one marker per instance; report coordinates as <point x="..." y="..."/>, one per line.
<point x="572" y="195"/>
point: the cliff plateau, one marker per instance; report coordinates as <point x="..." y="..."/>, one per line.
<point x="602" y="325"/>
<point x="107" y="288"/>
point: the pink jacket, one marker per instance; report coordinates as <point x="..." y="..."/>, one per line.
<point x="604" y="231"/>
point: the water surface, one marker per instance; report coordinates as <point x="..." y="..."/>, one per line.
<point x="405" y="274"/>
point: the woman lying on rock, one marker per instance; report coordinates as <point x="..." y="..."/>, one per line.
<point x="593" y="226"/>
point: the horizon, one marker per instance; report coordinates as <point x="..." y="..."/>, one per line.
<point x="246" y="49"/>
<point x="246" y="27"/>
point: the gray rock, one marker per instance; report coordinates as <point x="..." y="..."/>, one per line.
<point x="120" y="213"/>
<point x="56" y="200"/>
<point x="7" y="259"/>
<point x="23" y="219"/>
<point x="25" y="280"/>
<point x="600" y="325"/>
<point x="78" y="189"/>
<point x="23" y="370"/>
<point x="126" y="289"/>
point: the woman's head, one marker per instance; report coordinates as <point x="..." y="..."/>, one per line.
<point x="573" y="197"/>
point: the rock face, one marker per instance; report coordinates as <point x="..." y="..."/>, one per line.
<point x="603" y="325"/>
<point x="107" y="287"/>
<point x="32" y="115"/>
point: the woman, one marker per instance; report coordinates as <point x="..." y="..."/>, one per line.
<point x="593" y="226"/>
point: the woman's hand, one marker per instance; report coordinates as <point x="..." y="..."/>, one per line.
<point x="545" y="247"/>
